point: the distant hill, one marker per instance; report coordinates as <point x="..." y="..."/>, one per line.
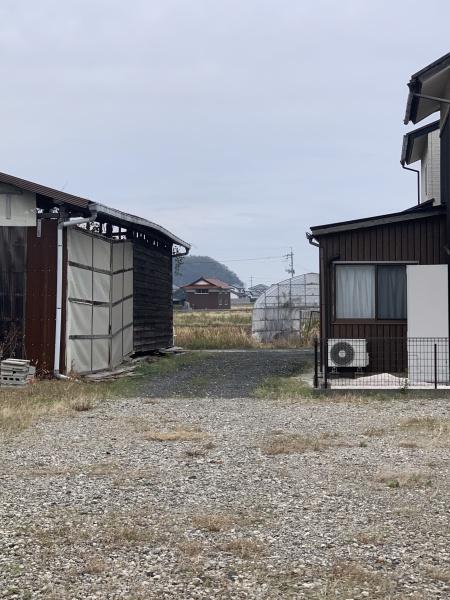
<point x="194" y="267"/>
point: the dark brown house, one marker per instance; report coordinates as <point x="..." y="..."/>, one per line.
<point x="208" y="293"/>
<point x="384" y="280"/>
<point x="82" y="285"/>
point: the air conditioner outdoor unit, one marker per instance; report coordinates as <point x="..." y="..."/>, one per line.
<point x="347" y="353"/>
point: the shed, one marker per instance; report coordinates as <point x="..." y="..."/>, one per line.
<point x="82" y="285"/>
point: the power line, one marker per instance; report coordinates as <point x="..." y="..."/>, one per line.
<point x="225" y="260"/>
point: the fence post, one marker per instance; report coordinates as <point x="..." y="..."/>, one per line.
<point x="325" y="364"/>
<point x="435" y="366"/>
<point x="316" y="366"/>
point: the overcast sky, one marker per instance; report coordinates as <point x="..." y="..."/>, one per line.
<point x="236" y="124"/>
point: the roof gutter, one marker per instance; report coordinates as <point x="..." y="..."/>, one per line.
<point x="139" y="221"/>
<point x="59" y="287"/>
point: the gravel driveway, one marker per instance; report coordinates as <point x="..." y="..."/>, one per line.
<point x="229" y="498"/>
<point x="228" y="374"/>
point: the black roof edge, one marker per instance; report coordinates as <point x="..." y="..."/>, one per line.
<point x="420" y="211"/>
<point x="411" y="136"/>
<point x="415" y="87"/>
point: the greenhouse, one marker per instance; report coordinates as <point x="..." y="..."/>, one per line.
<point x="287" y="308"/>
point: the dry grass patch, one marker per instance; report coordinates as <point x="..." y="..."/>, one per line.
<point x="179" y="434"/>
<point x="243" y="547"/>
<point x="438" y="573"/>
<point x="374" y="432"/>
<point x="21" y="407"/>
<point x="426" y="431"/>
<point x="213" y="522"/>
<point x="81" y="404"/>
<point x="191" y="548"/>
<point x="293" y="443"/>
<point x="350" y="580"/>
<point x="401" y="479"/>
<point x="371" y="537"/>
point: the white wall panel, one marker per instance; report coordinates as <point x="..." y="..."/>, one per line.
<point x="118" y="256"/>
<point x="117" y="293"/>
<point x="80" y="283"/>
<point x="100" y="354"/>
<point x="102" y="254"/>
<point x="17" y="207"/>
<point x="100" y="322"/>
<point x="127" y="341"/>
<point x="79" y="319"/>
<point x="117" y="323"/>
<point x="102" y="284"/>
<point x="79" y="247"/>
<point x="79" y="356"/>
<point x="93" y="285"/>
<point x="427" y="300"/>
<point x="127" y="283"/>
<point x="128" y="255"/>
<point x="127" y="311"/>
<point x="117" y="352"/>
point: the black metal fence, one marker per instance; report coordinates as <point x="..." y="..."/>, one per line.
<point x="388" y="363"/>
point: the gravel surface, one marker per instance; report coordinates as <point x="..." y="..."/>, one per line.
<point x="228" y="374"/>
<point x="188" y="498"/>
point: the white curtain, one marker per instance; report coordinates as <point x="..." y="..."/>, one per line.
<point x="355" y="291"/>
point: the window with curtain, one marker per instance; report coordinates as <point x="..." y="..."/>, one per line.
<point x="370" y="291"/>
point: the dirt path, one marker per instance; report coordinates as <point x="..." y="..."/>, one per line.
<point x="228" y="374"/>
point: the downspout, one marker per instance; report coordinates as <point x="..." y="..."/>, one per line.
<point x="418" y="179"/>
<point x="59" y="282"/>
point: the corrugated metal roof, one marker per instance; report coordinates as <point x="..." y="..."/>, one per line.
<point x="113" y="214"/>
<point x="43" y="190"/>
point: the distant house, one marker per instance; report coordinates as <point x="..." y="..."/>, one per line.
<point x="207" y="293"/>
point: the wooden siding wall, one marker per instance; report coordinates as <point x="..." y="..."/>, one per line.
<point x="420" y="240"/>
<point x="41" y="296"/>
<point x="152" y="288"/>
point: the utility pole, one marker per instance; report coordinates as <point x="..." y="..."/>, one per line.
<point x="290" y="257"/>
<point x="251" y="281"/>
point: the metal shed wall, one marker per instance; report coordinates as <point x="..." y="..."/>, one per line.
<point x="152" y="289"/>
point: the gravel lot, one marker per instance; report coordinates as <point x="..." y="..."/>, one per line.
<point x="229" y="498"/>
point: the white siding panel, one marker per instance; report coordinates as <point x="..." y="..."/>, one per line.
<point x="118" y="256"/>
<point x="100" y="322"/>
<point x="102" y="254"/>
<point x="102" y="285"/>
<point x="80" y="283"/>
<point x="100" y="354"/>
<point x="128" y="255"/>
<point x="79" y="247"/>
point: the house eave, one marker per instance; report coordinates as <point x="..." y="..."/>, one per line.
<point x="369" y="222"/>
